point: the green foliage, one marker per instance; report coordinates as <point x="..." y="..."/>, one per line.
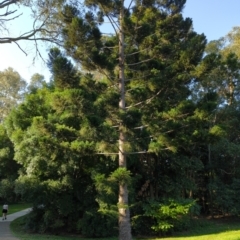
<point x="181" y="113"/>
<point x="95" y="224"/>
<point x="12" y="88"/>
<point x="121" y="176"/>
<point x="65" y="75"/>
<point x="53" y="205"/>
<point x="226" y="197"/>
<point x="37" y="82"/>
<point x="27" y="188"/>
<point x="56" y="205"/>
<point x="107" y="188"/>
<point x="54" y="134"/>
<point x="7" y="193"/>
<point x="8" y="167"/>
<point x="170" y="214"/>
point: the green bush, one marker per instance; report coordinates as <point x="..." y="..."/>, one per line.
<point x="226" y="197"/>
<point x="95" y="224"/>
<point x="54" y="205"/>
<point x="141" y="225"/>
<point x="33" y="222"/>
<point x="161" y="217"/>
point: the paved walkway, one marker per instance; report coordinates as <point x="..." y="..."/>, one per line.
<point x="5" y="233"/>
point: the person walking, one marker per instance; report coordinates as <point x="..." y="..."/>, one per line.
<point x="4" y="211"/>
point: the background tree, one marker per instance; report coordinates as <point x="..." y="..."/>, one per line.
<point x="8" y="168"/>
<point x="219" y="76"/>
<point x="39" y="29"/>
<point x="58" y="125"/>
<point x="37" y="81"/>
<point x="12" y="88"/>
<point x="226" y="44"/>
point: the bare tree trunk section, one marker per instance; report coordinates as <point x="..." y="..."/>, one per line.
<point x="124" y="214"/>
<point x="123" y="209"/>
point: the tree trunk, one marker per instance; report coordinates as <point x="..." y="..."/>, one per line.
<point x="231" y="91"/>
<point x="123" y="209"/>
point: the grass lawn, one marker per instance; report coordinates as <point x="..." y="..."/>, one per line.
<point x="12" y="208"/>
<point x="215" y="229"/>
<point x="220" y="229"/>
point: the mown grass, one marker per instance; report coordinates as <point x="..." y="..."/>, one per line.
<point x="17" y="228"/>
<point x="12" y="208"/>
<point x="224" y="229"/>
<point x="218" y="229"/>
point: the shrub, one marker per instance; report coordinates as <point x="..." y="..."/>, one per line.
<point x="33" y="221"/>
<point x="95" y="224"/>
<point x="165" y="216"/>
<point x="226" y="196"/>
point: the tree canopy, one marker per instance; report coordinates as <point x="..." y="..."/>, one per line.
<point x="12" y="88"/>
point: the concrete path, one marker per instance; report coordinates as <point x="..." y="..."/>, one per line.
<point x="5" y="233"/>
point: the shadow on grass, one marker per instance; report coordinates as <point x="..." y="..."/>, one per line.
<point x="18" y="229"/>
<point x="199" y="227"/>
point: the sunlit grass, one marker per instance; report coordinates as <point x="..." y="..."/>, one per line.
<point x="229" y="235"/>
<point x="218" y="229"/>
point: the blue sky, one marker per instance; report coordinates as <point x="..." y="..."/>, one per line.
<point x="214" y="18"/>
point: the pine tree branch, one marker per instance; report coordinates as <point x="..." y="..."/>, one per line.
<point x="132" y="54"/>
<point x="134" y="64"/>
<point x="112" y="23"/>
<point x="145" y="101"/>
<point x="125" y="153"/>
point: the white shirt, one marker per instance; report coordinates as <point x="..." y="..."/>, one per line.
<point x="5" y="206"/>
